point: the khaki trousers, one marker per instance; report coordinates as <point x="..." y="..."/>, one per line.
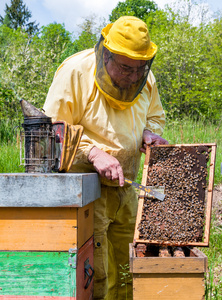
<point x="114" y="224"/>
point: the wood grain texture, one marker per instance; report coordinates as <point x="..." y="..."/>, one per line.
<point x="36" y="274"/>
<point x="9" y="297"/>
<point x="84" y="257"/>
<point x="195" y="263"/>
<point x="168" y="278"/>
<point x="48" y="190"/>
<point x="36" y="229"/>
<point x="168" y="286"/>
<point x="85" y="224"/>
<point x="46" y="275"/>
<point x="168" y="265"/>
<point x="210" y="196"/>
<point x="142" y="194"/>
<point x="45" y="228"/>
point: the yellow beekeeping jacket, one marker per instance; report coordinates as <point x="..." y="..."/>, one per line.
<point x="74" y="97"/>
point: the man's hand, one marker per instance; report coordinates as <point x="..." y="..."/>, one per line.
<point x="106" y="165"/>
<point x="152" y="139"/>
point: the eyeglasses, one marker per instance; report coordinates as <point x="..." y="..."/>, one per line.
<point x="126" y="70"/>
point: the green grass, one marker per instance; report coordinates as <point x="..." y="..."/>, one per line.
<point x="213" y="286"/>
<point x="9" y="158"/>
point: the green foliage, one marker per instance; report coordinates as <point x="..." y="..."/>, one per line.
<point x="88" y="37"/>
<point x="27" y="65"/>
<point x="8" y="106"/>
<point x="54" y="37"/>
<point x="136" y="8"/>
<point x="125" y="276"/>
<point x="18" y="15"/>
<point x="85" y="41"/>
<point x="185" y="69"/>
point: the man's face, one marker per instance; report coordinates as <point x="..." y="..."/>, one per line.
<point x="124" y="71"/>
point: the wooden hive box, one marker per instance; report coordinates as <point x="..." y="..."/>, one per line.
<point x="168" y="278"/>
<point x="187" y="174"/>
<point x="46" y="227"/>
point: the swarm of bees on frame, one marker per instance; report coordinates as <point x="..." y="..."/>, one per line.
<point x="180" y="216"/>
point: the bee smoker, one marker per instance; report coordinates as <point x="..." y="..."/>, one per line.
<point x="46" y="147"/>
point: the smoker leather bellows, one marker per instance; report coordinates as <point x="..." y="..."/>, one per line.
<point x="45" y="146"/>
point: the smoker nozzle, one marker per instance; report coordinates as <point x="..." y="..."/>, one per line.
<point x="31" y="111"/>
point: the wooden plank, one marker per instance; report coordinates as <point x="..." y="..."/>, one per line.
<point x="186" y="145"/>
<point x="48" y="190"/>
<point x="36" y="229"/>
<point x="84" y="258"/>
<point x="168" y="286"/>
<point x="146" y="166"/>
<point x="168" y="243"/>
<point x="132" y="254"/>
<point x="142" y="194"/>
<point x="85" y="217"/>
<point x="42" y="274"/>
<point x="168" y="265"/>
<point x="210" y="195"/>
<point x="9" y="297"/>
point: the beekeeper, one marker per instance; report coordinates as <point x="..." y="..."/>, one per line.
<point x="112" y="93"/>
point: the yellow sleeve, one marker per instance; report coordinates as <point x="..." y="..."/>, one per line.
<point x="70" y="91"/>
<point x="155" y="120"/>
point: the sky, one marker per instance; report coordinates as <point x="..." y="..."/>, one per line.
<point x="73" y="12"/>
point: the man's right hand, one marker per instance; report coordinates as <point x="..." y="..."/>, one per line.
<point x="106" y="165"/>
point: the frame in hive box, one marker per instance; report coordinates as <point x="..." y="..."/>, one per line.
<point x="183" y="218"/>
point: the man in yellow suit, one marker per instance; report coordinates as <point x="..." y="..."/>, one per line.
<point x="112" y="93"/>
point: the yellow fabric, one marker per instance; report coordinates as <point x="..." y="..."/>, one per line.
<point x="118" y="98"/>
<point x="129" y="36"/>
<point x="115" y="214"/>
<point x="75" y="98"/>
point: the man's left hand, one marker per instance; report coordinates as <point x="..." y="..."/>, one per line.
<point x="152" y="139"/>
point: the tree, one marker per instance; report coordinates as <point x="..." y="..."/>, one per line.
<point x="18" y="15"/>
<point x="137" y="8"/>
<point x="88" y="36"/>
<point x="54" y="38"/>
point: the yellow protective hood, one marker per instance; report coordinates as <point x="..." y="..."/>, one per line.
<point x="118" y="98"/>
<point x="129" y="36"/>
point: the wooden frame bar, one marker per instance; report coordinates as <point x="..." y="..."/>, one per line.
<point x="208" y="209"/>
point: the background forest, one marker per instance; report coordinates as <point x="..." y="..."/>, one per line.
<point x="187" y="67"/>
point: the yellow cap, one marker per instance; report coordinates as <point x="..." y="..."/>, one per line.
<point x="129" y="36"/>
